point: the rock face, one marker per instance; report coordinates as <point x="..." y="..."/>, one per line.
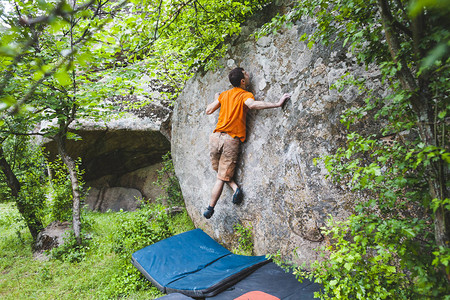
<point x="121" y="156"/>
<point x="142" y="180"/>
<point x="287" y="198"/>
<point x="51" y="237"/>
<point x="115" y="199"/>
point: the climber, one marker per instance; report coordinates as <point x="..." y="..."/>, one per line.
<point x="230" y="131"/>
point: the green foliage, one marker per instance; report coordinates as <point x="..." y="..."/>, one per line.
<point x="393" y="228"/>
<point x="245" y="239"/>
<point x="44" y="46"/>
<point x="145" y="227"/>
<point x="382" y="259"/>
<point x="69" y="50"/>
<point x="70" y="250"/>
<point x="60" y="203"/>
<point x="289" y="266"/>
<point x="137" y="230"/>
<point x="46" y="71"/>
<point x="28" y="165"/>
<point x="181" y="222"/>
<point x="9" y="216"/>
<point x="168" y="181"/>
<point x="5" y="194"/>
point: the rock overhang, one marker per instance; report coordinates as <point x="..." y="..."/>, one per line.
<point x="119" y="145"/>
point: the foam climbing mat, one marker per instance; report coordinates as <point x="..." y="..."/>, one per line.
<point x="194" y="264"/>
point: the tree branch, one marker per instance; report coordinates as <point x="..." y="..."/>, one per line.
<point x="406" y="77"/>
<point x="157" y="19"/>
<point x="166" y="24"/>
<point x="22" y="133"/>
<point x="58" y="11"/>
<point x="202" y="7"/>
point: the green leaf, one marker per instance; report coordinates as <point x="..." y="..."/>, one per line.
<point x="111" y="40"/>
<point x="8" y="51"/>
<point x="63" y="77"/>
<point x="435" y="55"/>
<point x="38" y="75"/>
<point x="84" y="58"/>
<point x="8" y="100"/>
<point x="345" y="41"/>
<point x="333" y="282"/>
<point x="348" y="266"/>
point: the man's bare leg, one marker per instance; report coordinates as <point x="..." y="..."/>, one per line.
<point x="216" y="192"/>
<point x="218" y="188"/>
<point x="232" y="185"/>
<point x="215" y="195"/>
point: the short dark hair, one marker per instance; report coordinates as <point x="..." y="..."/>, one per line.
<point x="235" y="76"/>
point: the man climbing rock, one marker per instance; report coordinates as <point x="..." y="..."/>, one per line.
<point x="230" y="132"/>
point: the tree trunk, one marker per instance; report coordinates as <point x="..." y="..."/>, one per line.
<point x="71" y="166"/>
<point x="33" y="223"/>
<point x="429" y="133"/>
<point x="61" y="142"/>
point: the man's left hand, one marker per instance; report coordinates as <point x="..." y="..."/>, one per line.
<point x="283" y="99"/>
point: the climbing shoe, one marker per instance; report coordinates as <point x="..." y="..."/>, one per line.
<point x="208" y="212"/>
<point x="237" y="196"/>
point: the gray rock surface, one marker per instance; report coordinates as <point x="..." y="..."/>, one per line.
<point x="287" y="198"/>
<point x="114" y="199"/>
<point x="142" y="179"/>
<point x="51" y="237"/>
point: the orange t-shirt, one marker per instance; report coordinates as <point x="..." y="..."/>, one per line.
<point x="233" y="112"/>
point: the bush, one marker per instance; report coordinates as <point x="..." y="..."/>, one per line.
<point x="137" y="230"/>
<point x="245" y="239"/>
<point x="362" y="267"/>
<point x="70" y="250"/>
<point x="168" y="181"/>
<point x="61" y="202"/>
<point x="5" y="194"/>
<point x="369" y="259"/>
<point x="9" y="215"/>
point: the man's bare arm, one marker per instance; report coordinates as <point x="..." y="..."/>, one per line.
<point x="213" y="106"/>
<point x="253" y="104"/>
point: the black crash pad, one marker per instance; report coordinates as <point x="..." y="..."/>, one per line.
<point x="273" y="280"/>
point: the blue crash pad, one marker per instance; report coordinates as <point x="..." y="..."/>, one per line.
<point x="192" y="263"/>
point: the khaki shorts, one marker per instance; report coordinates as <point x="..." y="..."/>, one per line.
<point x="224" y="152"/>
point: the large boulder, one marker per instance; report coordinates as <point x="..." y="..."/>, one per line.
<point x="123" y="152"/>
<point x="287" y="198"/>
<point x="114" y="199"/>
